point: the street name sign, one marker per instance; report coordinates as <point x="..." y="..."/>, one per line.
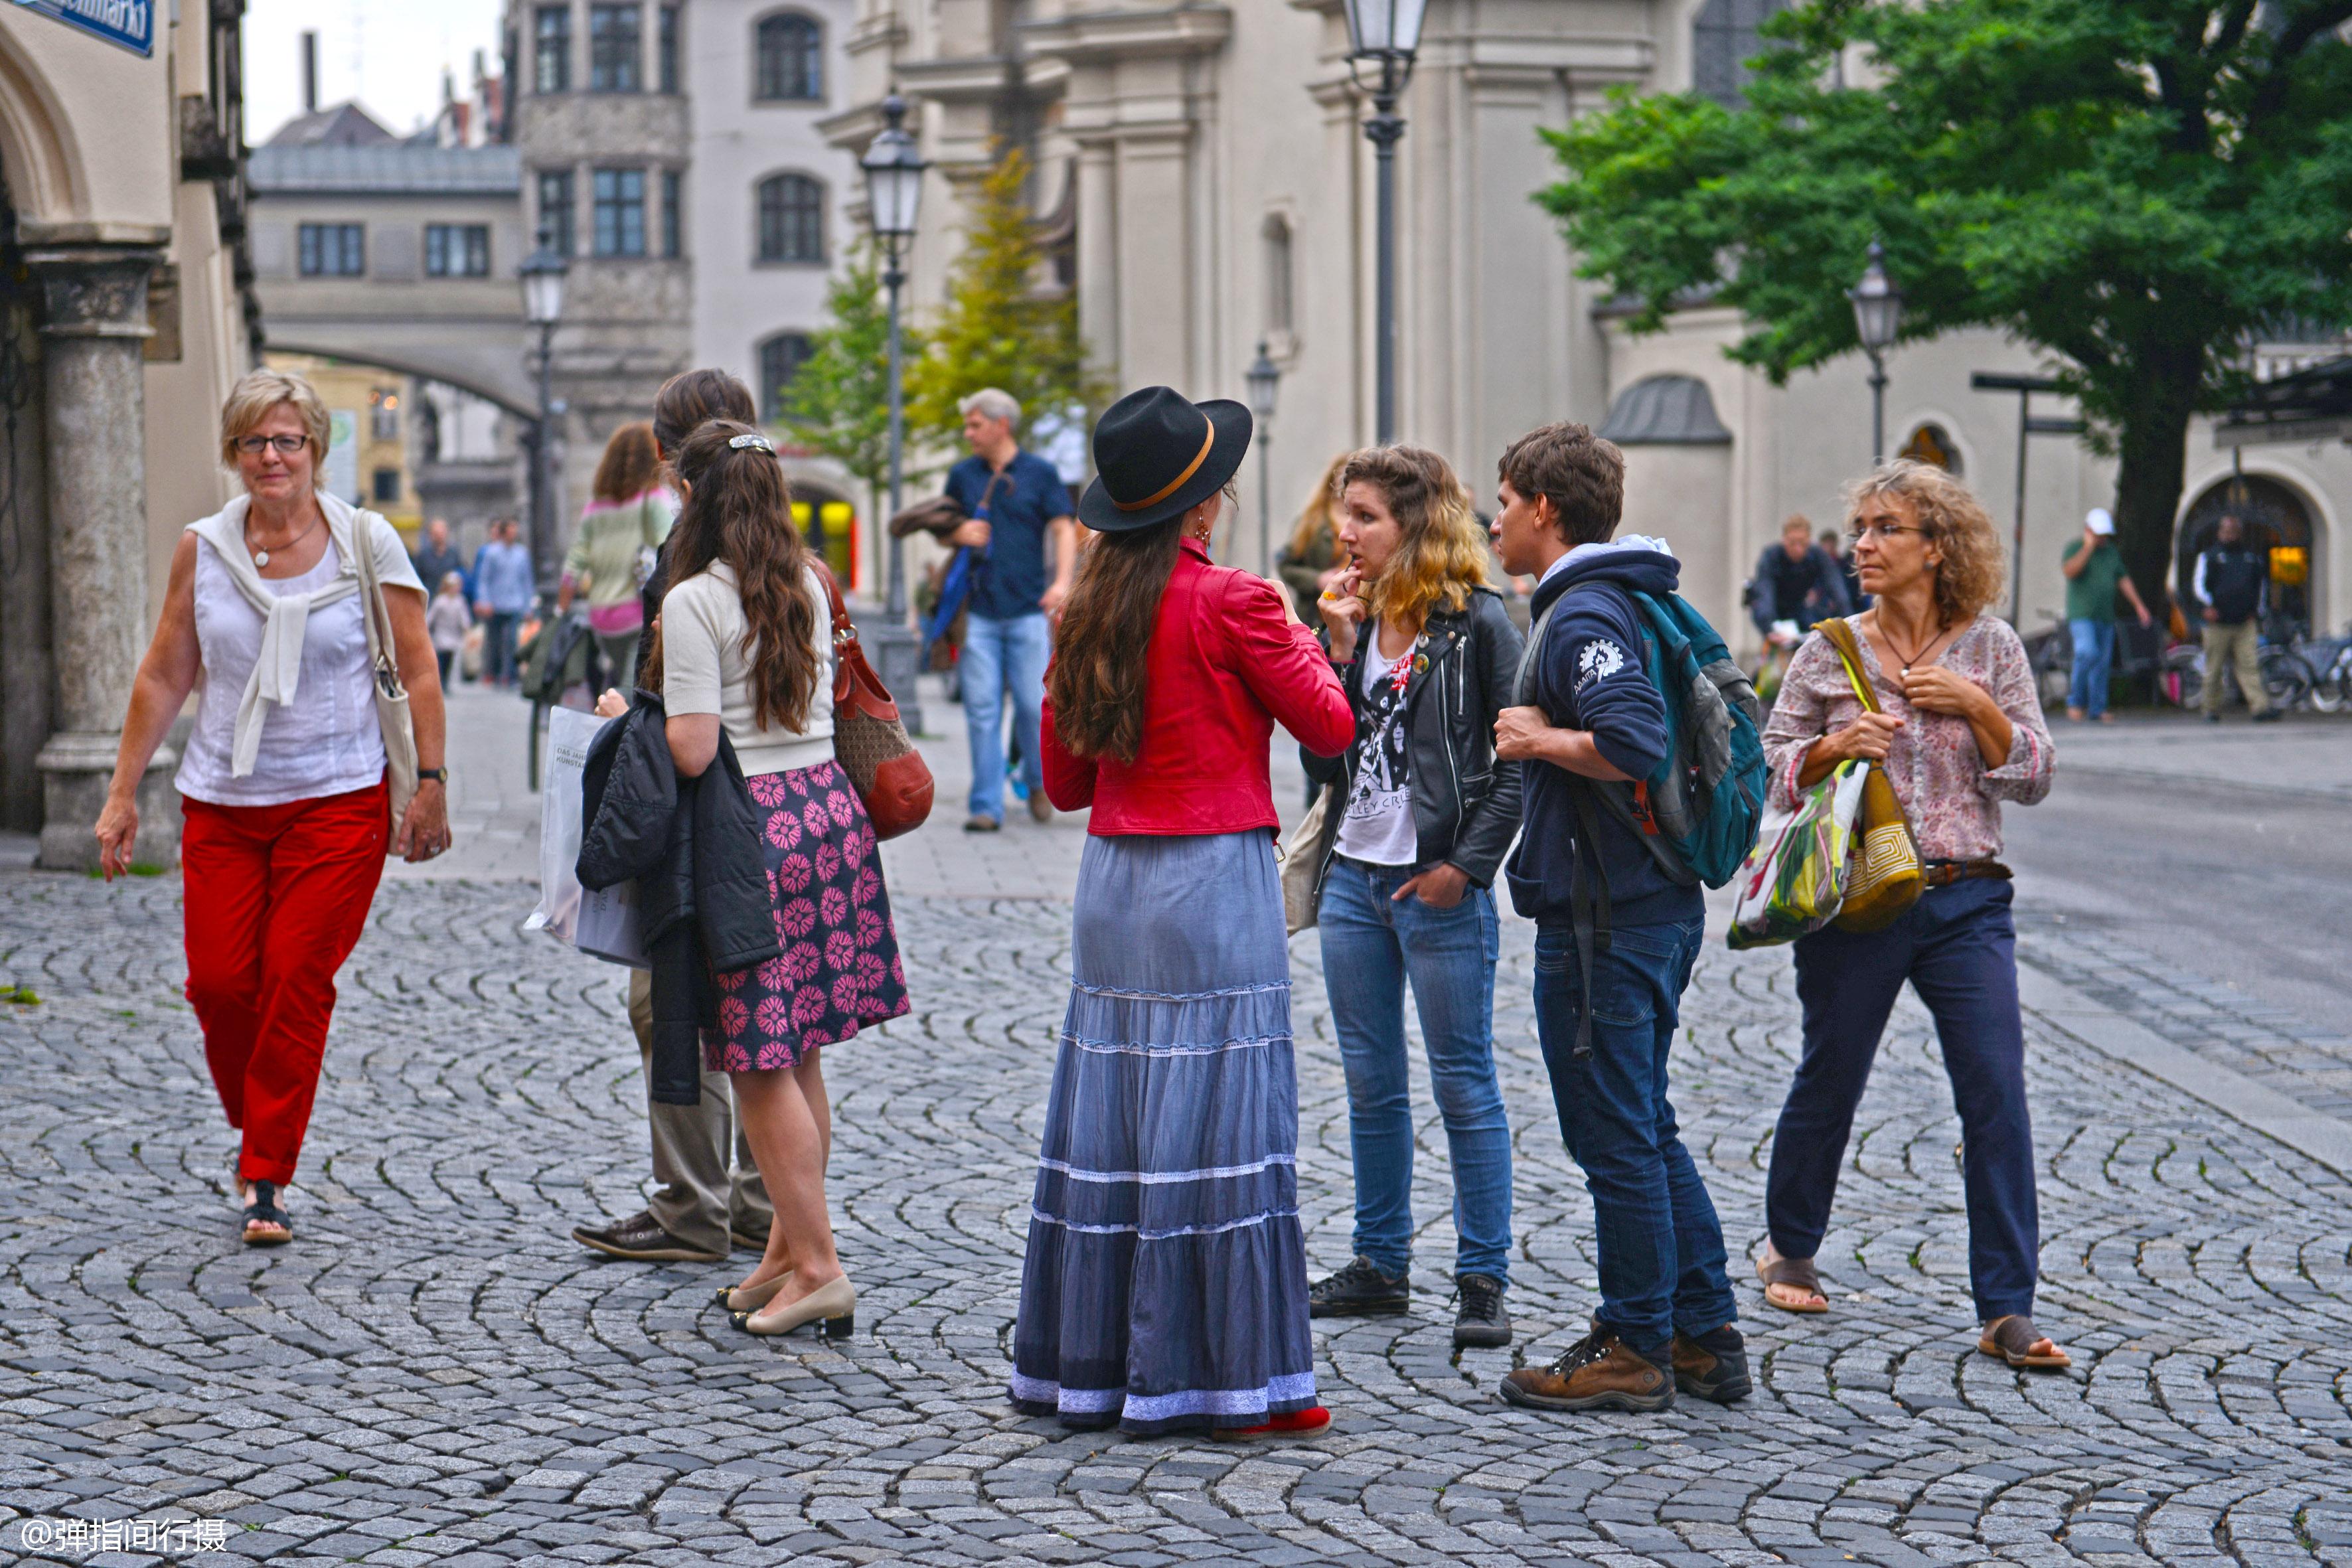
<point x="129" y="24"/>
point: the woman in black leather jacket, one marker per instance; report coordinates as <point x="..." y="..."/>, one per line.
<point x="1417" y="821"/>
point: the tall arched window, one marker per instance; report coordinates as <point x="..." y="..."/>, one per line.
<point x="792" y="219"/>
<point x="1723" y="40"/>
<point x="790" y="55"/>
<point x="1278" y="276"/>
<point x="781" y="358"/>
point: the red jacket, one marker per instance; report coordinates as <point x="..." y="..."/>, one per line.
<point x="1225" y="663"/>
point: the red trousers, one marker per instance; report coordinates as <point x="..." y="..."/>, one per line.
<point x="275" y="897"/>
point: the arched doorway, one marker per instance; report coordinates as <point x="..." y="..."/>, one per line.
<point x="2277" y="519"/>
<point x="1931" y="443"/>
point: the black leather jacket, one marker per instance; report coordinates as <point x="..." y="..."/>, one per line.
<point x="1465" y="810"/>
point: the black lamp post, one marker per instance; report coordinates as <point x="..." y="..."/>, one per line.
<point x="543" y="274"/>
<point x="894" y="191"/>
<point x="1264" y="379"/>
<point x="1383" y="36"/>
<point x="1877" y="321"/>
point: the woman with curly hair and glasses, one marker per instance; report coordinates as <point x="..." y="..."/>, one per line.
<point x="1958" y="730"/>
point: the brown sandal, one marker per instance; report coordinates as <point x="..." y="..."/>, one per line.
<point x="1795" y="1273"/>
<point x="2012" y="1338"/>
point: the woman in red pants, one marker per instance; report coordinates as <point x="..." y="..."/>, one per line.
<point x="283" y="780"/>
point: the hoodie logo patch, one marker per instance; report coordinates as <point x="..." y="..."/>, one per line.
<point x="1598" y="661"/>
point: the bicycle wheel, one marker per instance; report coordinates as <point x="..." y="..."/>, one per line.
<point x="2328" y="692"/>
<point x="2285" y="678"/>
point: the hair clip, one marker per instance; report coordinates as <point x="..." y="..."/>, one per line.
<point x="742" y="443"/>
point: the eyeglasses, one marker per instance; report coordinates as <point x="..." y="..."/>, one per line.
<point x="254" y="446"/>
<point x="1880" y="531"/>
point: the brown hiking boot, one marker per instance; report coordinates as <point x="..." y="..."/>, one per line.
<point x="1599" y="1371"/>
<point x="1713" y="1367"/>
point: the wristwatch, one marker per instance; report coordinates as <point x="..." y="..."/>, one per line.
<point x="438" y="776"/>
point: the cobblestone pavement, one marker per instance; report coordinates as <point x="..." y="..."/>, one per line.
<point x="434" y="1374"/>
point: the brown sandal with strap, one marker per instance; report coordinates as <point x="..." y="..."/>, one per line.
<point x="2012" y="1338"/>
<point x="1794" y="1274"/>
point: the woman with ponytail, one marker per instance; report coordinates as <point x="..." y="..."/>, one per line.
<point x="743" y="649"/>
<point x="1165" y="1287"/>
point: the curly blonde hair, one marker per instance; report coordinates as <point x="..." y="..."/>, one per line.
<point x="1443" y="553"/>
<point x="1975" y="567"/>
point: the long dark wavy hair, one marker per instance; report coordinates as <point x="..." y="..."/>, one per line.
<point x="1102" y="650"/>
<point x="739" y="509"/>
<point x="692" y="399"/>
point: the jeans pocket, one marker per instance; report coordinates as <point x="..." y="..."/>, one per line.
<point x="1554" y="950"/>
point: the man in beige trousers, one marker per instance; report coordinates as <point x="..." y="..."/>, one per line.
<point x="701" y="1206"/>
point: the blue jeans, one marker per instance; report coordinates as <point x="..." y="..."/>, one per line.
<point x="498" y="647"/>
<point x="2094" y="662"/>
<point x="1371" y="947"/>
<point x="1002" y="658"/>
<point x="1660" y="1247"/>
<point x="1957" y="947"/>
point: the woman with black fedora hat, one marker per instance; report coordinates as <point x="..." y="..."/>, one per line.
<point x="1165" y="1287"/>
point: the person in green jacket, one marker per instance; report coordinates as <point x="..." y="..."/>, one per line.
<point x="620" y="528"/>
<point x="1312" y="561"/>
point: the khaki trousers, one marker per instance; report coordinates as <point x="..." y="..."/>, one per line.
<point x="699" y="1200"/>
<point x="2240" y="646"/>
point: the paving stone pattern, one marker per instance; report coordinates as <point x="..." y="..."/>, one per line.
<point x="434" y="1374"/>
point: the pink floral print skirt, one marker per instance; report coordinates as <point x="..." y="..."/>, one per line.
<point x="840" y="968"/>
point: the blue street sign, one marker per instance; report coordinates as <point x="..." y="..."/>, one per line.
<point x="128" y="23"/>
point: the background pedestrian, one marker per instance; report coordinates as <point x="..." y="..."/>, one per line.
<point x="1165" y="1287"/>
<point x="1959" y="731"/>
<point x="437" y="557"/>
<point x="282" y="779"/>
<point x="503" y="594"/>
<point x="621" y="528"/>
<point x="447" y="620"/>
<point x="1312" y="560"/>
<point x="2094" y="575"/>
<point x="1421" y="819"/>
<point x="2233" y="583"/>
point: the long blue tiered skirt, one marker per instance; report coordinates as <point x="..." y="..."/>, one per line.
<point x="1165" y="1287"/>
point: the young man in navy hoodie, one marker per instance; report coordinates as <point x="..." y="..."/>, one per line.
<point x="1593" y="720"/>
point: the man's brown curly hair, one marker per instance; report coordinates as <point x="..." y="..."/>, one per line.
<point x="1974" y="567"/>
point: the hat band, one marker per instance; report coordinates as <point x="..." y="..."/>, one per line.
<point x="1172" y="486"/>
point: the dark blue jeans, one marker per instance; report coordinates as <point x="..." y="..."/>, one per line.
<point x="1660" y="1245"/>
<point x="1373" y="944"/>
<point x="1959" y="949"/>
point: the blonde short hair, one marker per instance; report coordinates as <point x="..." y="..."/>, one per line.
<point x="258" y="391"/>
<point x="1974" y="567"/>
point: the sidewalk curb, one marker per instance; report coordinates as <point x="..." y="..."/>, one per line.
<point x="2218" y="786"/>
<point x="2266" y="1110"/>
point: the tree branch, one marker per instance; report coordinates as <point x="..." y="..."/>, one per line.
<point x="2270" y="94"/>
<point x="2232" y="30"/>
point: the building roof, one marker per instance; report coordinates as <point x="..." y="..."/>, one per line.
<point x="340" y="125"/>
<point x="1664" y="410"/>
<point x="2313" y="404"/>
<point x="390" y="168"/>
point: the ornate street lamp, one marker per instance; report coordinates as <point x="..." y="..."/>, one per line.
<point x="1877" y="321"/>
<point x="1264" y="379"/>
<point x="1383" y="36"/>
<point x="894" y="168"/>
<point x="542" y="273"/>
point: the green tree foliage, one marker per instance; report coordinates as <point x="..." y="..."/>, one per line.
<point x="2135" y="186"/>
<point x="839" y="403"/>
<point x="995" y="328"/>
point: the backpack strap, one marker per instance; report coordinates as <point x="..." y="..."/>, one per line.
<point x="1589" y="899"/>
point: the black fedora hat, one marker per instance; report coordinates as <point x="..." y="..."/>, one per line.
<point x="1158" y="456"/>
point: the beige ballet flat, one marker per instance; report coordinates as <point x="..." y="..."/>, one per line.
<point x="833" y="1307"/>
<point x="750" y="1298"/>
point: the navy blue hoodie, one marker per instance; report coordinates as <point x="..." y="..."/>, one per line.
<point x="1589" y="676"/>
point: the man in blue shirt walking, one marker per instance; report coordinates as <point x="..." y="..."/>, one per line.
<point x="1015" y="501"/>
<point x="503" y="591"/>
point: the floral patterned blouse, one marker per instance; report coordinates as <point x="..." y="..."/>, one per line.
<point x="1952" y="799"/>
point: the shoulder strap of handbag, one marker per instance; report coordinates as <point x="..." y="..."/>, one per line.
<point x="1841" y="636"/>
<point x="374" y="614"/>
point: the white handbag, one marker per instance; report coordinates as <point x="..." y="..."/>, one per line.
<point x="390" y="696"/>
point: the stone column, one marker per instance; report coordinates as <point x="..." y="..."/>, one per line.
<point x="94" y="382"/>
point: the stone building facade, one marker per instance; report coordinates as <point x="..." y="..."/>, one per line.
<point x="1206" y="166"/>
<point x="125" y="224"/>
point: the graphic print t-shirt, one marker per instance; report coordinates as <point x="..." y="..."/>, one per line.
<point x="1377" y="826"/>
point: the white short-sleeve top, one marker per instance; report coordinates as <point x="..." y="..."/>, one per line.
<point x="706" y="668"/>
<point x="327" y="741"/>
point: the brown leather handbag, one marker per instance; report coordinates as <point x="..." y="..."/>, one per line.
<point x="1886" y="876"/>
<point x="869" y="739"/>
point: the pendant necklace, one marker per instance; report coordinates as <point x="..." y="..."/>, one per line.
<point x="1909" y="659"/>
<point x="261" y="557"/>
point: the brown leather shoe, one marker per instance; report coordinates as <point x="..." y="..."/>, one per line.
<point x="641" y="1239"/>
<point x="1599" y="1371"/>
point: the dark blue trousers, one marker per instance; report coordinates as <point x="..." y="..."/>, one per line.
<point x="1957" y="947"/>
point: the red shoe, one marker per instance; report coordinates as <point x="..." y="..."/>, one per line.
<point x="1305" y="1422"/>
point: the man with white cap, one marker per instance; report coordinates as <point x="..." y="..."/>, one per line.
<point x="2095" y="574"/>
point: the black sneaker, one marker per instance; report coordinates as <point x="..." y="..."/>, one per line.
<point x="1358" y="1290"/>
<point x="1714" y="1366"/>
<point x="1479" y="1320"/>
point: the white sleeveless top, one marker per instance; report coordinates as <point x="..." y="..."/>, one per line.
<point x="326" y="740"/>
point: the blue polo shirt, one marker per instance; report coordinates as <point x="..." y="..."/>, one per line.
<point x="1010" y="576"/>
